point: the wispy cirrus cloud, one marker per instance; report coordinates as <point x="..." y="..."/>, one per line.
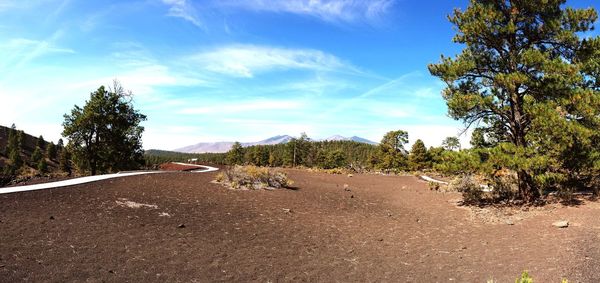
<point x="246" y="106"/>
<point x="326" y="10"/>
<point x="184" y="9"/>
<point x="248" y="60"/>
<point x="18" y="52"/>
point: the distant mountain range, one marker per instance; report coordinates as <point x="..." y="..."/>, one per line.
<point x="220" y="147"/>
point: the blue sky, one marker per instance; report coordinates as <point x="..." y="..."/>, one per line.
<point x="212" y="70"/>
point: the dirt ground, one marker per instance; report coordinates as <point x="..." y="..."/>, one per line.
<point x="179" y="227"/>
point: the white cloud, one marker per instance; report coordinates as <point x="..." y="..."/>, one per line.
<point x="326" y="10"/>
<point x="248" y="106"/>
<point x="247" y="60"/>
<point x="20" y="51"/>
<point x="185" y="10"/>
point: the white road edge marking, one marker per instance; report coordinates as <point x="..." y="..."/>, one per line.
<point x="89" y="179"/>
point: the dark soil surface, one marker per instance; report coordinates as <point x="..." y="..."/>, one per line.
<point x="179" y="227"/>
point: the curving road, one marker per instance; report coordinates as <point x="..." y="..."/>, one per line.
<point x="88" y="179"/>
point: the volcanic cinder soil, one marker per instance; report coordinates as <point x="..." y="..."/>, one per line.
<point x="179" y="226"/>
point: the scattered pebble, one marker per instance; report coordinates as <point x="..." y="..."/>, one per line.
<point x="181" y="226"/>
<point x="51" y="217"/>
<point x="350" y="175"/>
<point x="352" y="196"/>
<point x="510" y="222"/>
<point x="561" y="224"/>
<point x="287" y="210"/>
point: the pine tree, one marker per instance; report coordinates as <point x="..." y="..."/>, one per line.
<point x="235" y="156"/>
<point x="13" y="140"/>
<point x="451" y="143"/>
<point x="42" y="166"/>
<point x="51" y="151"/>
<point x="65" y="161"/>
<point x="105" y="135"/>
<point x="41" y="143"/>
<point x="15" y="163"/>
<point x="418" y="157"/>
<point x="13" y="150"/>
<point x="36" y="156"/>
<point x="21" y="139"/>
<point x="526" y="73"/>
<point x="392" y="152"/>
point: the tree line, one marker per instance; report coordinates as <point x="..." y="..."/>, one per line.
<point x="388" y="156"/>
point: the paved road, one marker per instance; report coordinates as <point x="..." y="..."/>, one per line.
<point x="88" y="179"/>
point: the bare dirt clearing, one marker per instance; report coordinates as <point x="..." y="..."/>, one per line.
<point x="181" y="227"/>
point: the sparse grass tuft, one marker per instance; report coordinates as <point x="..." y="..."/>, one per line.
<point x="525" y="278"/>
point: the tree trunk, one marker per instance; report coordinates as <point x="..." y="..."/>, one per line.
<point x="526" y="188"/>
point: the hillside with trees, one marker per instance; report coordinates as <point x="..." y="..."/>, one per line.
<point x="22" y="154"/>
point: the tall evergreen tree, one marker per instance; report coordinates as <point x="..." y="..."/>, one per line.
<point x="36" y="156"/>
<point x="51" y="151"/>
<point x="15" y="163"/>
<point x="418" y="157"/>
<point x="21" y="139"/>
<point x="235" y="156"/>
<point x="65" y="161"/>
<point x="42" y="166"/>
<point x="526" y="72"/>
<point x="106" y="134"/>
<point x="13" y="150"/>
<point x="451" y="143"/>
<point x="392" y="152"/>
<point x="41" y="143"/>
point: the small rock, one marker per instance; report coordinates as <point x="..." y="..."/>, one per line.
<point x="380" y="239"/>
<point x="181" y="226"/>
<point x="510" y="222"/>
<point x="350" y="175"/>
<point x="287" y="210"/>
<point x="561" y="224"/>
<point x="51" y="217"/>
<point x="352" y="196"/>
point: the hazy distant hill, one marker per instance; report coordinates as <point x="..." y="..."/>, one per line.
<point x="220" y="147"/>
<point x="353" y="138"/>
